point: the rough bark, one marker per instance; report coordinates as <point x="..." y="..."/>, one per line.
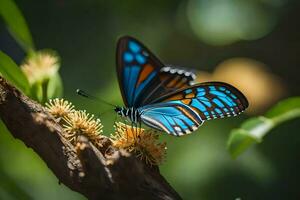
<point x="105" y="173"/>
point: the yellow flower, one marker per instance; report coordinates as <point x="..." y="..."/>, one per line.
<point x="40" y="66"/>
<point x="143" y="142"/>
<point x="59" y="108"/>
<point x="82" y="123"/>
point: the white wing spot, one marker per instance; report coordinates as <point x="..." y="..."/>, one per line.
<point x="194" y="76"/>
<point x="194" y="128"/>
<point x="177" y="128"/>
<point x="180" y="71"/>
<point x="180" y="133"/>
<point x="173" y="71"/>
<point x="166" y="69"/>
<point x="187" y="131"/>
<point x="187" y="73"/>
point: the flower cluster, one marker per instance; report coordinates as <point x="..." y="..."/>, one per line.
<point x="82" y="123"/>
<point x="75" y="122"/>
<point x="40" y="66"/>
<point x="59" y="108"/>
<point x="140" y="141"/>
<point x="143" y="143"/>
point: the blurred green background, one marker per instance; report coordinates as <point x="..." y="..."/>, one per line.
<point x="253" y="44"/>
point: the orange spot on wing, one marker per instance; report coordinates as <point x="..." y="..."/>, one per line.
<point x="196" y="110"/>
<point x="190" y="95"/>
<point x="145" y="72"/>
<point x="186" y="113"/>
<point x="172" y="83"/>
<point x="175" y="97"/>
<point x="183" y="83"/>
<point x="186" y="101"/>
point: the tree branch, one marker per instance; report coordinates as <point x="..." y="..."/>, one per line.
<point x="90" y="171"/>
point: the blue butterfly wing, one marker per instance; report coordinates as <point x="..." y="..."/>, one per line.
<point x="172" y="117"/>
<point x="197" y="103"/>
<point x="210" y="100"/>
<point x="143" y="77"/>
<point x="136" y="69"/>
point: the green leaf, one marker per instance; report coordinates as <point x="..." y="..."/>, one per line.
<point x="16" y="24"/>
<point x="55" y="87"/>
<point x="253" y="130"/>
<point x="288" y="108"/>
<point x="239" y="141"/>
<point x="12" y="72"/>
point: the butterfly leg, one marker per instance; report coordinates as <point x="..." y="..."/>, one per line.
<point x="134" y="130"/>
<point x="125" y="129"/>
<point x="140" y="127"/>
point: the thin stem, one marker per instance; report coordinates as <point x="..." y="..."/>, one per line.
<point x="286" y="116"/>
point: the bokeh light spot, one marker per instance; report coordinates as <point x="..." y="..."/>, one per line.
<point x="221" y="22"/>
<point x="251" y="77"/>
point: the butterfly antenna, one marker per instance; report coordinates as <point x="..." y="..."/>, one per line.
<point x="104" y="112"/>
<point x="86" y="95"/>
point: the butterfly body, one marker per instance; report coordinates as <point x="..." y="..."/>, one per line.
<point x="130" y="113"/>
<point x="163" y="97"/>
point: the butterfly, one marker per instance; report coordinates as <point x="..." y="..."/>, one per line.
<point x="164" y="97"/>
